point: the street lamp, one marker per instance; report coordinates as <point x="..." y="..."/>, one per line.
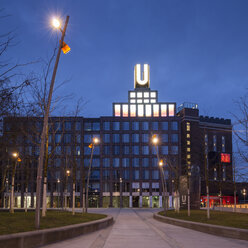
<point x="66" y="182"/>
<point x="45" y="125"/>
<point x="95" y="141"/>
<point x="244" y="192"/>
<point x="17" y="159"/>
<point x="155" y="141"/>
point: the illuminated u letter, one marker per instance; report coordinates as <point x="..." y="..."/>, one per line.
<point x="138" y="82"/>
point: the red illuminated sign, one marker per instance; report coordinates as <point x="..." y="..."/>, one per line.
<point x="225" y="158"/>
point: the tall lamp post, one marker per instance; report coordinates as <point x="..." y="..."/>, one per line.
<point x="244" y="192"/>
<point x="155" y="142"/>
<point x="66" y="183"/>
<point x="95" y="141"/>
<point x="56" y="24"/>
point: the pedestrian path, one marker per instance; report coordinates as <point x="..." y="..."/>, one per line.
<point x="134" y="228"/>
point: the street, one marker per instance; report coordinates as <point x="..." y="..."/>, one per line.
<point x="137" y="228"/>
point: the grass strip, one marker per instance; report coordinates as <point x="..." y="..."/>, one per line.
<point x="24" y="222"/>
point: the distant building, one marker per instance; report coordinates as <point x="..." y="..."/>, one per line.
<point x="124" y="167"/>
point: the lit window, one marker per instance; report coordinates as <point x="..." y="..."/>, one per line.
<point x="132" y="94"/>
<point x="188" y="126"/>
<point x="188" y="142"/>
<point x="153" y="94"/>
<point x="133" y="101"/>
<point x="188" y="135"/>
<point x="215" y="143"/>
<point x="125" y="110"/>
<point x="146" y="94"/>
<point x="139" y="101"/>
<point x="153" y="101"/>
<point x="132" y="110"/>
<point x="117" y="110"/>
<point x="188" y="149"/>
<point x="223" y="144"/>
<point x="155" y="110"/>
<point x="171" y="109"/>
<point x="146" y="100"/>
<point x="188" y="156"/>
<point x="139" y="95"/>
<point x="188" y="162"/>
<point x="163" y="110"/>
<point x="140" y="110"/>
<point x="148" y="110"/>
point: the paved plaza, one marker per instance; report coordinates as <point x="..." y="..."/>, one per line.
<point x="134" y="228"/>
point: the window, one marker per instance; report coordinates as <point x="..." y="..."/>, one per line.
<point x="87" y="126"/>
<point x="188" y="149"/>
<point x="163" y="110"/>
<point x="67" y="138"/>
<point x="188" y="143"/>
<point x="125" y="162"/>
<point x="116" y="150"/>
<point x="78" y="138"/>
<point x="145" y="162"/>
<point x="215" y="143"/>
<point x="58" y="138"/>
<point x="188" y="156"/>
<point x="155" y="175"/>
<point x="164" y="137"/>
<point x="125" y="138"/>
<point x="145" y="137"/>
<point x="135" y="162"/>
<point x="87" y="138"/>
<point x="106" y="162"/>
<point x="132" y="110"/>
<point x="67" y="150"/>
<point x="146" y="94"/>
<point x="174" y="138"/>
<point x="116" y="175"/>
<point x="148" y="110"/>
<point x="105" y="175"/>
<point x="135" y="126"/>
<point x="116" y="162"/>
<point x="87" y="150"/>
<point x="117" y="109"/>
<point x="174" y="125"/>
<point x="78" y="126"/>
<point x="58" y="150"/>
<point x="171" y="109"/>
<point x="126" y="174"/>
<point x="187" y="126"/>
<point x="135" y="174"/>
<point x="153" y="94"/>
<point x="106" y="150"/>
<point x="57" y="162"/>
<point x="105" y="187"/>
<point x="164" y="125"/>
<point x="164" y="150"/>
<point x="116" y="138"/>
<point x="154" y="125"/>
<point x="95" y="175"/>
<point x="67" y="125"/>
<point x="145" y="125"/>
<point x="116" y="125"/>
<point x="125" y="110"/>
<point x="188" y="136"/>
<point x="223" y="145"/>
<point x="135" y="138"/>
<point x="145" y="174"/>
<point x="106" y="138"/>
<point x="154" y="162"/>
<point x="155" y="110"/>
<point x="95" y="126"/>
<point x="106" y="126"/>
<point x="125" y="150"/>
<point x="57" y="126"/>
<point x="174" y="149"/>
<point x="95" y="162"/>
<point x="132" y="94"/>
<point x="125" y="125"/>
<point x="77" y="150"/>
<point x="97" y="150"/>
<point x="145" y="150"/>
<point x="135" y="150"/>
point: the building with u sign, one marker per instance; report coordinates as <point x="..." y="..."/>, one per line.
<point x="124" y="168"/>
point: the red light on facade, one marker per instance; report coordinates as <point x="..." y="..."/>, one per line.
<point x="225" y="158"/>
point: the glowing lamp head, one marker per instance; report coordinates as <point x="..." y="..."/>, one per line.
<point x="155" y="139"/>
<point x="15" y="154"/>
<point x="161" y="163"/>
<point x="68" y="172"/>
<point x="56" y="23"/>
<point x="96" y="140"/>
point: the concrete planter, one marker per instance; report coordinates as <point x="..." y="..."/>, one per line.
<point x="47" y="236"/>
<point x="229" y="232"/>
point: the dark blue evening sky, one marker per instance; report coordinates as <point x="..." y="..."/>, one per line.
<point x="197" y="50"/>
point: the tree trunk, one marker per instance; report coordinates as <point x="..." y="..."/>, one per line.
<point x="11" y="210"/>
<point x="208" y="208"/>
<point x="44" y="202"/>
<point x="26" y="196"/>
<point x="73" y="199"/>
<point x="83" y="210"/>
<point x="235" y="202"/>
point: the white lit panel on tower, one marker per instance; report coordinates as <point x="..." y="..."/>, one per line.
<point x="139" y="95"/>
<point x="132" y="110"/>
<point x="155" y="110"/>
<point x="148" y="110"/>
<point x="171" y="109"/>
<point x="140" y="110"/>
<point x="146" y="100"/>
<point x="125" y="110"/>
<point x="139" y="100"/>
<point x="163" y="110"/>
<point x="153" y="100"/>
<point x="153" y="94"/>
<point x="117" y="110"/>
<point x="132" y="95"/>
<point x="146" y="94"/>
<point x="132" y="101"/>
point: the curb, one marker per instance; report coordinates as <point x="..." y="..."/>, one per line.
<point x="223" y="231"/>
<point x="47" y="236"/>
